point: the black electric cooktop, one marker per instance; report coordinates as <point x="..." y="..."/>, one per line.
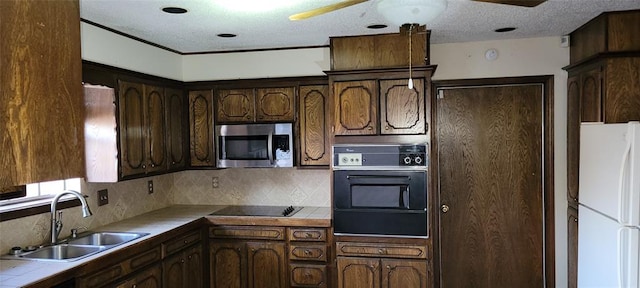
<point x="269" y="211"/>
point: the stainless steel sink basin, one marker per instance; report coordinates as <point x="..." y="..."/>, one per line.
<point x="78" y="248"/>
<point x="106" y="238"/>
<point x="62" y="252"/>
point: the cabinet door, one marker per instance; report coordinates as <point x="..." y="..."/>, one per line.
<point x="201" y="128"/>
<point x="572" y="218"/>
<point x="173" y="271"/>
<point x="150" y="278"/>
<point x="227" y="262"/>
<point x="358" y="272"/>
<point x="266" y="261"/>
<point x="355" y="107"/>
<point x="591" y="95"/>
<point x="314" y="131"/>
<point x="194" y="267"/>
<point x="132" y="129"/>
<point x="401" y="108"/>
<point x="237" y="105"/>
<point x="405" y="273"/>
<point x="156" y="148"/>
<point x="573" y="138"/>
<point x="622" y="96"/>
<point x="41" y="103"/>
<point x="275" y="104"/>
<point x="177" y="154"/>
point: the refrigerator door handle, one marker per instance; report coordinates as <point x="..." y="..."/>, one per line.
<point x="622" y="193"/>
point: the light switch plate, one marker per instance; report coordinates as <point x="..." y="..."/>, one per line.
<point x="103" y="197"/>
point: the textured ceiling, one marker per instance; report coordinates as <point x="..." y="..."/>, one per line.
<point x="263" y="28"/>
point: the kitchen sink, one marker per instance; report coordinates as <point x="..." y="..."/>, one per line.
<point x="77" y="248"/>
<point x="62" y="252"/>
<point x="106" y="238"/>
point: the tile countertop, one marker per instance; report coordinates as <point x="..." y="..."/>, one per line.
<point x="18" y="273"/>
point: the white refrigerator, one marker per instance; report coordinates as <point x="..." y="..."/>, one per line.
<point x="609" y="206"/>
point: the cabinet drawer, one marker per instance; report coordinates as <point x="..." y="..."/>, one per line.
<point x="381" y="250"/>
<point x="308" y="252"/>
<point x="247" y="232"/>
<point x="305" y="275"/>
<point x="112" y="273"/>
<point x="307" y="234"/>
<point x="181" y="242"/>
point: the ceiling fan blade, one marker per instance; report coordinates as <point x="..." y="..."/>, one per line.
<point x="325" y="9"/>
<point x="523" y="3"/>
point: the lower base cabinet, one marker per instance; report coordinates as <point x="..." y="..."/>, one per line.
<point x="184" y="269"/>
<point x="376" y="265"/>
<point x="149" y="278"/>
<point x="241" y="264"/>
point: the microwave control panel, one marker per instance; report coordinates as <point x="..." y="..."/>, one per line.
<point x="353" y="156"/>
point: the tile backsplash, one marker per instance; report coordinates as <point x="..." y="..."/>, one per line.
<point x="259" y="186"/>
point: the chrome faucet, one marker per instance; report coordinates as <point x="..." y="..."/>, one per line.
<point x="56" y="221"/>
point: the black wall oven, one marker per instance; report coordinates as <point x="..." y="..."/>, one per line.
<point x="380" y="190"/>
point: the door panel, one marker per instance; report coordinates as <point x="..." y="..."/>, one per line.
<point x="490" y="175"/>
<point x="355" y="107"/>
<point x="266" y="265"/>
<point x="404" y="273"/>
<point x="155" y="119"/>
<point x="401" y="108"/>
<point x="358" y="272"/>
<point x="235" y="105"/>
<point x="176" y="129"/>
<point x="314" y="135"/>
<point x="132" y="133"/>
<point x="275" y="104"/>
<point x="228" y="266"/>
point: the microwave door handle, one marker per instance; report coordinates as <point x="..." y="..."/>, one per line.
<point x="270" y="148"/>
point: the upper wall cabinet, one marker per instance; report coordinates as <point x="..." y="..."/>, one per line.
<point x="314" y="127"/>
<point x="201" y="135"/>
<point x="380" y="51"/>
<point x="379" y="102"/>
<point x="612" y="32"/>
<point x="143" y="146"/>
<point x="42" y="108"/>
<point x="255" y="105"/>
<point x="176" y="129"/>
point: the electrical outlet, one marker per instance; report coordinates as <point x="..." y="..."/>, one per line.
<point x="150" y="185"/>
<point x="215" y="182"/>
<point x="103" y="197"/>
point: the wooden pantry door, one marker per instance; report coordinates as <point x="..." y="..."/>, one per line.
<point x="491" y="154"/>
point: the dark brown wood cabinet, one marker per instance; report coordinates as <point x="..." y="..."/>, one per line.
<point x="201" y="132"/>
<point x="255" y="105"/>
<point x="183" y="265"/>
<point x="176" y="129"/>
<point x="142" y="123"/>
<point x="383" y="265"/>
<point x="247" y="257"/>
<point x="308" y="256"/>
<point x="149" y="278"/>
<point x="572" y="253"/>
<point x="314" y="127"/>
<point x="379" y="102"/>
<point x="41" y="84"/>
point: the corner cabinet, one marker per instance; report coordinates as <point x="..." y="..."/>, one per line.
<point x="379" y="102"/>
<point x="255" y="105"/>
<point x="201" y="134"/>
<point x="314" y="127"/>
<point x="41" y="84"/>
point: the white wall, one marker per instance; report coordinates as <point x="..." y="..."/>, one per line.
<point x="102" y="46"/>
<point x="522" y="57"/>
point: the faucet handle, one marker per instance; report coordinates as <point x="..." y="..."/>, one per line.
<point x="74" y="231"/>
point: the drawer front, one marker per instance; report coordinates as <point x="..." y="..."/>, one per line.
<point x="247" y="232"/>
<point x="182" y="242"/>
<point x="305" y="275"/>
<point x="112" y="273"/>
<point x="307" y="234"/>
<point x="308" y="252"/>
<point x="381" y="250"/>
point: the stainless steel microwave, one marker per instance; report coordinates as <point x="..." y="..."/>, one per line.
<point x="254" y="145"/>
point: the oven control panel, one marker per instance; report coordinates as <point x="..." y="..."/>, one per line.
<point x="352" y="156"/>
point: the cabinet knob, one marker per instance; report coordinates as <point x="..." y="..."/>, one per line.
<point x="144" y="166"/>
<point x="181" y="260"/>
<point x="386" y="127"/>
<point x="306" y="159"/>
<point x="153" y="165"/>
<point x="389" y="267"/>
<point x="134" y="286"/>
<point x="248" y="116"/>
<point x="369" y="128"/>
<point x="173" y="162"/>
<point x="445" y="208"/>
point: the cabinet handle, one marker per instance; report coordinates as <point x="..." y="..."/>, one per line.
<point x="134" y="286"/>
<point x="308" y="235"/>
<point x="153" y="165"/>
<point x="181" y="260"/>
<point x="386" y="127"/>
<point x="144" y="166"/>
<point x="248" y="116"/>
<point x="369" y="128"/>
<point x="306" y="159"/>
<point x="575" y="219"/>
<point x="389" y="267"/>
<point x="380" y="251"/>
<point x="307" y="252"/>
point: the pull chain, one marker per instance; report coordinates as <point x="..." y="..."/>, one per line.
<point x="410" y="79"/>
